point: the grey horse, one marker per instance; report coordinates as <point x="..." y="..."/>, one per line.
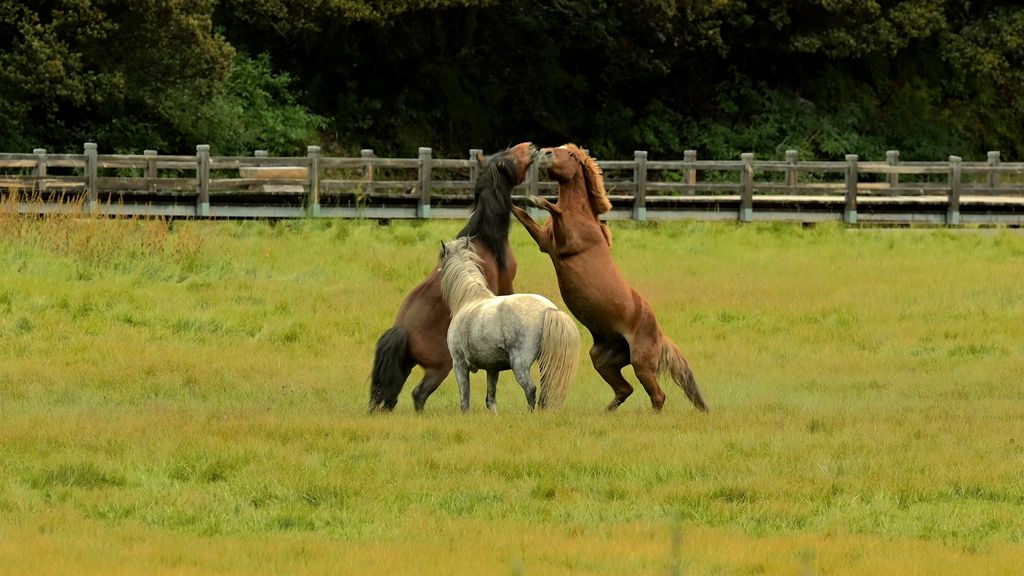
<point x="496" y="333"/>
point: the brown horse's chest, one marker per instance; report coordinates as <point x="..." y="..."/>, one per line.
<point x="499" y="279"/>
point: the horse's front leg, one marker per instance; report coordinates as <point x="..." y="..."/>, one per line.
<point x="540" y="234"/>
<point x="461" y="370"/>
<point x="543" y="203"/>
<point x="492" y="390"/>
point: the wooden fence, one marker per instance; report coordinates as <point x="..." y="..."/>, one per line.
<point x="950" y="192"/>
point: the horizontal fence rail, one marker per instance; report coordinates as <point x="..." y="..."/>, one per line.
<point x="950" y="192"/>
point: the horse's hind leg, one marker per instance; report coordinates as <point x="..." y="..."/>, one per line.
<point x="432" y="378"/>
<point x="648" y="376"/>
<point x="522" y="371"/>
<point x="644" y="355"/>
<point x="462" y="378"/>
<point x="609" y="358"/>
<point x="492" y="390"/>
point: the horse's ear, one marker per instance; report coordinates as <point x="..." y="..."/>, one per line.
<point x="443" y="249"/>
<point x="481" y="159"/>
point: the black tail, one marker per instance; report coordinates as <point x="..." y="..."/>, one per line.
<point x="390" y="369"/>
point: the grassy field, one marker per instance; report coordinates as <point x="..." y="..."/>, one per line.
<point x="191" y="399"/>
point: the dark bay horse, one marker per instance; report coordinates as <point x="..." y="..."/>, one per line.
<point x="419" y="335"/>
<point x="622" y="323"/>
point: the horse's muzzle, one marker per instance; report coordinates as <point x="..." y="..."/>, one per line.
<point x="544" y="158"/>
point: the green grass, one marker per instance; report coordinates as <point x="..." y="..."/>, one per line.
<point x="191" y="398"/>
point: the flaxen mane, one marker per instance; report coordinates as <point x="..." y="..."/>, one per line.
<point x="594" y="180"/>
<point x="462" y="279"/>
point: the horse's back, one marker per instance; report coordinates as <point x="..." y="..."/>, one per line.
<point x="524" y="305"/>
<point x="511" y="312"/>
<point x="488" y="331"/>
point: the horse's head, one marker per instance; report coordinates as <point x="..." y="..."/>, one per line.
<point x="461" y="247"/>
<point x="569" y="162"/>
<point x="510" y="164"/>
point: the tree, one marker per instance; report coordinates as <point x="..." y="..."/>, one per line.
<point x="130" y="75"/>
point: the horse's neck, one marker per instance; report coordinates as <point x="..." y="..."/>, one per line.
<point x="575" y="227"/>
<point x="465" y="291"/>
<point x="489" y="223"/>
<point x="574" y="198"/>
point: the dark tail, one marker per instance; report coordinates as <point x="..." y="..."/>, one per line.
<point x="390" y="369"/>
<point x="672" y="361"/>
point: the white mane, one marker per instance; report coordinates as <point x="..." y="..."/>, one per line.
<point x="462" y="279"/>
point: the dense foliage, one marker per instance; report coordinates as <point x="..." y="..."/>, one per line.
<point x="827" y="77"/>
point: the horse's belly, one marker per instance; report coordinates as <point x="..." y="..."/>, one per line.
<point x="600" y="302"/>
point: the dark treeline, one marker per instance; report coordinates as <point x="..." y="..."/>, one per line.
<point x="826" y="77"/>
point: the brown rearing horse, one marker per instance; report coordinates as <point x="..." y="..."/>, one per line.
<point x="621" y="322"/>
<point x="419" y="334"/>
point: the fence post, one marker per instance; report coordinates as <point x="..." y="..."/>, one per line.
<point x="368" y="172"/>
<point x="994" y="179"/>
<point x="151" y="172"/>
<point x="640" y="181"/>
<point x="474" y="165"/>
<point x="892" y="158"/>
<point x="423" y="206"/>
<point x="92" y="198"/>
<point x="690" y="157"/>
<point x="40" y="171"/>
<point x="850" y="212"/>
<point x="953" y="210"/>
<point x="203" y="180"/>
<point x="313" y="200"/>
<point x="747" y="187"/>
<point x="792" y="157"/>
